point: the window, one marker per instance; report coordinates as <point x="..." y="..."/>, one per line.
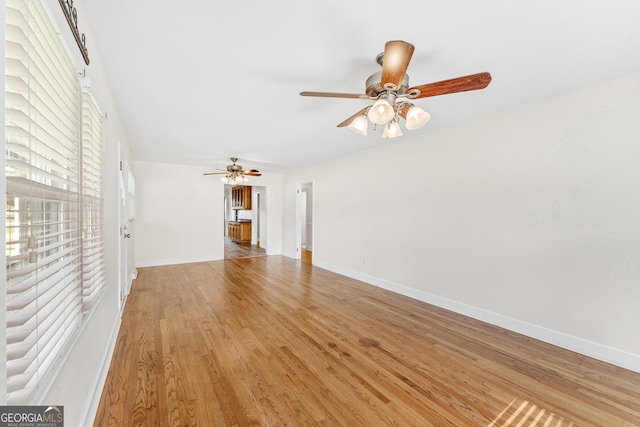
<point x="54" y="248"/>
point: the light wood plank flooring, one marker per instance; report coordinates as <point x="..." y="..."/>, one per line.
<point x="241" y="250"/>
<point x="306" y="256"/>
<point x="271" y="341"/>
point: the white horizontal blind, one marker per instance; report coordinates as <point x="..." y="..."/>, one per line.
<point x="43" y="227"/>
<point x="93" y="272"/>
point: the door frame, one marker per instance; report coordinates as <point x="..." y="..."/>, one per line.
<point x="303" y="211"/>
<point x="262" y="218"/>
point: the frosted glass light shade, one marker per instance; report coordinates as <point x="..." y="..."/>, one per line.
<point x="381" y="112"/>
<point x="392" y="130"/>
<point x="416" y="118"/>
<point x="233" y="179"/>
<point x="359" y="125"/>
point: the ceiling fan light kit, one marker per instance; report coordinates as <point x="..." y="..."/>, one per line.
<point x="233" y="179"/>
<point x="390" y="90"/>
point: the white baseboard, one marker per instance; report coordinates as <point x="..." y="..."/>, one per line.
<point x="290" y="255"/>
<point x="588" y="348"/>
<point x="174" y="261"/>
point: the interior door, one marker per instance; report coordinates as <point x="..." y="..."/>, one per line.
<point x="125" y="207"/>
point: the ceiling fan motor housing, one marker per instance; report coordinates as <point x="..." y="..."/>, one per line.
<point x="234" y="167"/>
<point x="375" y="88"/>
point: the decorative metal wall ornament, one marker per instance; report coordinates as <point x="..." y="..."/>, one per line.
<point x="71" y="14"/>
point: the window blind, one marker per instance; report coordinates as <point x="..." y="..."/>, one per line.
<point x="54" y="204"/>
<point x="93" y="272"/>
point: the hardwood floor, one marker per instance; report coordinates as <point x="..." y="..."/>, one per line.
<point x="306" y="256"/>
<point x="271" y="341"/>
<point x="239" y="250"/>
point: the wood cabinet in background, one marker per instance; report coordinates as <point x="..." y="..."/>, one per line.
<point x="239" y="231"/>
<point x="241" y="197"/>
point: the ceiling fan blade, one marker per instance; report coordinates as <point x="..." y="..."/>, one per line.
<point x="395" y="61"/>
<point x="256" y="173"/>
<point x="460" y="84"/>
<point x="250" y="171"/>
<point x="350" y="119"/>
<point x="336" y="95"/>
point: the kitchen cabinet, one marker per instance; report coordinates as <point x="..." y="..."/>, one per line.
<point x="239" y="231"/>
<point x="241" y="197"/>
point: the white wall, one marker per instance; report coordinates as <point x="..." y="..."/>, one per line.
<point x="527" y="218"/>
<point x="180" y="214"/>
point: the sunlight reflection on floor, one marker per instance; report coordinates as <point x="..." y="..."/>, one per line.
<point x="522" y="413"/>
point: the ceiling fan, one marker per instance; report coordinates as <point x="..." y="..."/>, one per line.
<point x="234" y="173"/>
<point x="392" y="94"/>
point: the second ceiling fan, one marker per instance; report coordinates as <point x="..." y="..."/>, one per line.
<point x="234" y="173"/>
<point x="392" y="94"/>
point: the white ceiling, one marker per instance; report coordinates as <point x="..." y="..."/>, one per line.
<point x="199" y="82"/>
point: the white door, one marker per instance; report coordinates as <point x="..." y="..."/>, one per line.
<point x="124" y="229"/>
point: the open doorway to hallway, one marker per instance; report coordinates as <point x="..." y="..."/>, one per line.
<point x="245" y="221"/>
<point x="304" y="222"/>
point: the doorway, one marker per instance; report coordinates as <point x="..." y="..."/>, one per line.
<point x="304" y="222"/>
<point x="252" y="240"/>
